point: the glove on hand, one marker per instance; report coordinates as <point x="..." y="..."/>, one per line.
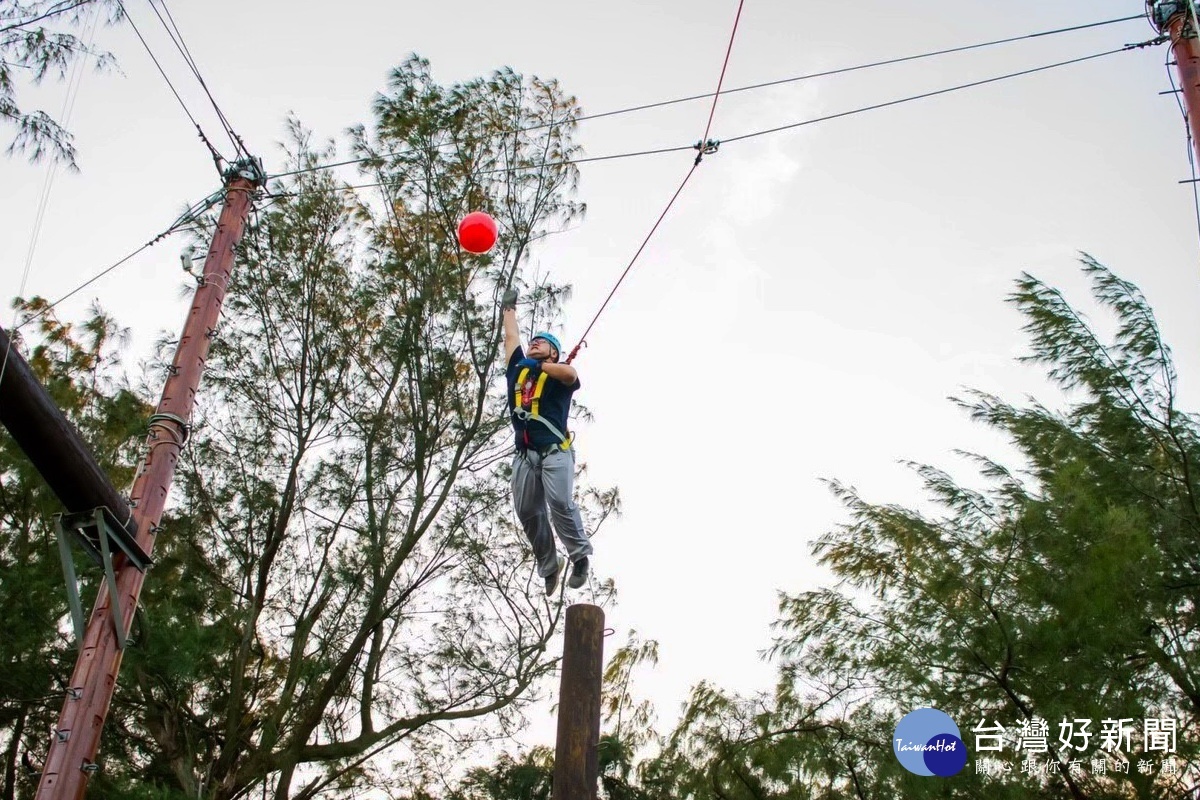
<point x="532" y="363"/>
<point x="509" y="298"/>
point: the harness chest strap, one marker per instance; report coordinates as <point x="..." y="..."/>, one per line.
<point x="534" y="401"/>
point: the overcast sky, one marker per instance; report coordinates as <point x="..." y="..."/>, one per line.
<point x="803" y="312"/>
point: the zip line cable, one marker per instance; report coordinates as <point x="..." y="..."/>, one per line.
<point x="705" y="143"/>
<point x="715" y="96"/>
<point x="751" y="87"/>
<point x="87" y="283"/>
<point x="183" y="219"/>
<point x="679" y="148"/>
<point x="935" y="93"/>
<point x="497" y="171"/>
<point x="702" y="147"/>
<point x="176" y="37"/>
<point x="211" y="198"/>
<point x="217" y="157"/>
<point x="844" y="70"/>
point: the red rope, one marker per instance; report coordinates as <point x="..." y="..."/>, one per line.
<point x="583" y="339"/>
<point x="713" y="109"/>
<point x="701" y="146"/>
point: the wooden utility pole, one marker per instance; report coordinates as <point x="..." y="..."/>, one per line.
<point x="576" y="757"/>
<point x="1177" y="19"/>
<point x="71" y="758"/>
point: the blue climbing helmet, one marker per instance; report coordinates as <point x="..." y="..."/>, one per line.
<point x="550" y="339"/>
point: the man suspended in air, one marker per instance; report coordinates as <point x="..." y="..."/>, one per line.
<point x="543" y="480"/>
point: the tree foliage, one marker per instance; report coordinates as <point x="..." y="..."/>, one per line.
<point x="342" y="600"/>
<point x="343" y="572"/>
<point x="35" y="43"/>
<point x="1065" y="589"/>
<point x="627" y="725"/>
<point x="79" y="366"/>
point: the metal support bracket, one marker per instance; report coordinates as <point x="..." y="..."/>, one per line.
<point x="99" y="534"/>
<point x="1163" y="11"/>
<point x="705" y="147"/>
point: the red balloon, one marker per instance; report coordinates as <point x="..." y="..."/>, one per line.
<point x="477" y="232"/>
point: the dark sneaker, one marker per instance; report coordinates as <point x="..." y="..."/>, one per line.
<point x="552" y="580"/>
<point x="579" y="573"/>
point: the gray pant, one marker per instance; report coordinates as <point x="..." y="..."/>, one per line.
<point x="539" y="481"/>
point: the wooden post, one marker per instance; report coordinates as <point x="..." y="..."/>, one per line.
<point x="76" y="739"/>
<point x="576" y="765"/>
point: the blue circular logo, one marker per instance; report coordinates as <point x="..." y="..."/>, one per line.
<point x="927" y="742"/>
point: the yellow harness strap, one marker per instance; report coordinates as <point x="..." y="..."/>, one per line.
<point x="532" y="413"/>
<point x="537" y="394"/>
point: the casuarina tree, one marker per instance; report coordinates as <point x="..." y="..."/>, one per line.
<point x="1050" y="610"/>
<point x="37" y="42"/>
<point x="344" y="600"/>
<point x="80" y="368"/>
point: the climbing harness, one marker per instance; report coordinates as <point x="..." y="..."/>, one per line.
<point x="526" y="397"/>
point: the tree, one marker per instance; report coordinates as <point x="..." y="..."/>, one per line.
<point x="30" y="51"/>
<point x="627" y="726"/>
<point x="531" y="777"/>
<point x="343" y="571"/>
<point x="1064" y="590"/>
<point x="80" y="368"/>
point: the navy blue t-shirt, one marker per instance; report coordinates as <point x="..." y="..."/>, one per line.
<point x="554" y="405"/>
